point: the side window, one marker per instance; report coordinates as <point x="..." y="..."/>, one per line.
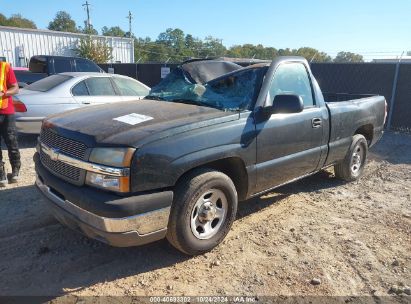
<point x="128" y="87"/>
<point x="62" y="65"/>
<point x="80" y="89"/>
<point x="100" y="86"/>
<point x="292" y="78"/>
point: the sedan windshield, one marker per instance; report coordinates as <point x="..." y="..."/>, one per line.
<point x="231" y="92"/>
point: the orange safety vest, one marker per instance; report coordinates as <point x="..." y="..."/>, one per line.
<point x="4" y="70"/>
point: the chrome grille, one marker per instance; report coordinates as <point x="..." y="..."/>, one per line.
<point x="60" y="168"/>
<point x="65" y="145"/>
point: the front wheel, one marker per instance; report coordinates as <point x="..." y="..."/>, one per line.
<point x="203" y="211"/>
<point x="352" y="167"/>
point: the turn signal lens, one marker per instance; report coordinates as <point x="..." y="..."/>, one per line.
<point x="112" y="183"/>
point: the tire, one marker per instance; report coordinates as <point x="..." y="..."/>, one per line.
<point x="352" y="167"/>
<point x="203" y="211"/>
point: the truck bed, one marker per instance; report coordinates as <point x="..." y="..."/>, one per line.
<point x="336" y="97"/>
<point x="27" y="77"/>
<point x="351" y="114"/>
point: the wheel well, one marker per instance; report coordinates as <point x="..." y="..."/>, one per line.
<point x="367" y="131"/>
<point x="234" y="168"/>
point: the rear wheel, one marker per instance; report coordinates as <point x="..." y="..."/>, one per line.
<point x="352" y="167"/>
<point x="203" y="211"/>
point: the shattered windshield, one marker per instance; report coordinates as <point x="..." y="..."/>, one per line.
<point x="231" y="92"/>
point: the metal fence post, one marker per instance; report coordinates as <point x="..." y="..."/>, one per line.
<point x="394" y="91"/>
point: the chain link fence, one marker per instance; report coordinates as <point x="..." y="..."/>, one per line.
<point x="392" y="80"/>
<point x="147" y="73"/>
<point x="401" y="114"/>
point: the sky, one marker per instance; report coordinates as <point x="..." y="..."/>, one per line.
<point x="373" y="28"/>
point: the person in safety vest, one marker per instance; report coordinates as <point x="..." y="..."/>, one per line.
<point x="8" y="88"/>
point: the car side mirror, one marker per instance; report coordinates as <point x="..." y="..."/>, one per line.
<point x="287" y="103"/>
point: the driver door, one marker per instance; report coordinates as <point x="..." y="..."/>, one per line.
<point x="289" y="145"/>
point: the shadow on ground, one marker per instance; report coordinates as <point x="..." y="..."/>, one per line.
<point x="394" y="148"/>
<point x="41" y="257"/>
<point x="60" y="260"/>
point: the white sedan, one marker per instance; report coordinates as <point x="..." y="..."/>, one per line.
<point x="68" y="91"/>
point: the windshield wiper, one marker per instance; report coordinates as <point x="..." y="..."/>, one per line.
<point x="186" y="101"/>
<point x="151" y="97"/>
<point x="193" y="102"/>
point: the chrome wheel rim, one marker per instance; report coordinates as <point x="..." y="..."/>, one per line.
<point x="208" y="214"/>
<point x="357" y="159"/>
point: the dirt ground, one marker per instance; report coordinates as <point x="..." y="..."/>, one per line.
<point x="354" y="238"/>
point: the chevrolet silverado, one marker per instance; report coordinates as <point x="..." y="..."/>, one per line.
<point x="176" y="163"/>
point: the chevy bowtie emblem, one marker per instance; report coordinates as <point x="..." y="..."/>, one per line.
<point x="54" y="154"/>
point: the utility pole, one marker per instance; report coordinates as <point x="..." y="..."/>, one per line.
<point x="394" y="91"/>
<point x="88" y="15"/>
<point x="129" y="17"/>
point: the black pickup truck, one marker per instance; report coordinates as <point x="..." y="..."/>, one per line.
<point x="176" y="163"/>
<point x="42" y="66"/>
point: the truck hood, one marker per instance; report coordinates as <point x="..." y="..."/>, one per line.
<point x="134" y="123"/>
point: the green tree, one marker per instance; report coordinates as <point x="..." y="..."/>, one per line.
<point x="175" y="46"/>
<point x="3" y="20"/>
<point x="63" y="23"/>
<point x="18" y="21"/>
<point x="171" y="44"/>
<point x="193" y="46"/>
<point x="172" y="38"/>
<point x="285" y="52"/>
<point x="213" y="47"/>
<point x="252" y="51"/>
<point x="93" y="49"/>
<point x="190" y="42"/>
<point x="312" y="54"/>
<point x="88" y="30"/>
<point x="348" y="57"/>
<point x="160" y="53"/>
<point x="141" y="49"/>
<point x="115" y="31"/>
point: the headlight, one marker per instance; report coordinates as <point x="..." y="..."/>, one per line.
<point x="112" y="157"/>
<point x="107" y="182"/>
<point x="116" y="157"/>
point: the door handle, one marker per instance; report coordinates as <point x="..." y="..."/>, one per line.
<point x="316" y="122"/>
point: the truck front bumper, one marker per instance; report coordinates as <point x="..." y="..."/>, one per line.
<point x="144" y="227"/>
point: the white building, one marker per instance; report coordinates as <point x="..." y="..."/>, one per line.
<point x="17" y="45"/>
<point x="404" y="59"/>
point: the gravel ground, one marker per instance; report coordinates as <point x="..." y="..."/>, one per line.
<point x="318" y="236"/>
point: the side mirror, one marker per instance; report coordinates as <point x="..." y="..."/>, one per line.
<point x="287" y="103"/>
<point x="282" y="104"/>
